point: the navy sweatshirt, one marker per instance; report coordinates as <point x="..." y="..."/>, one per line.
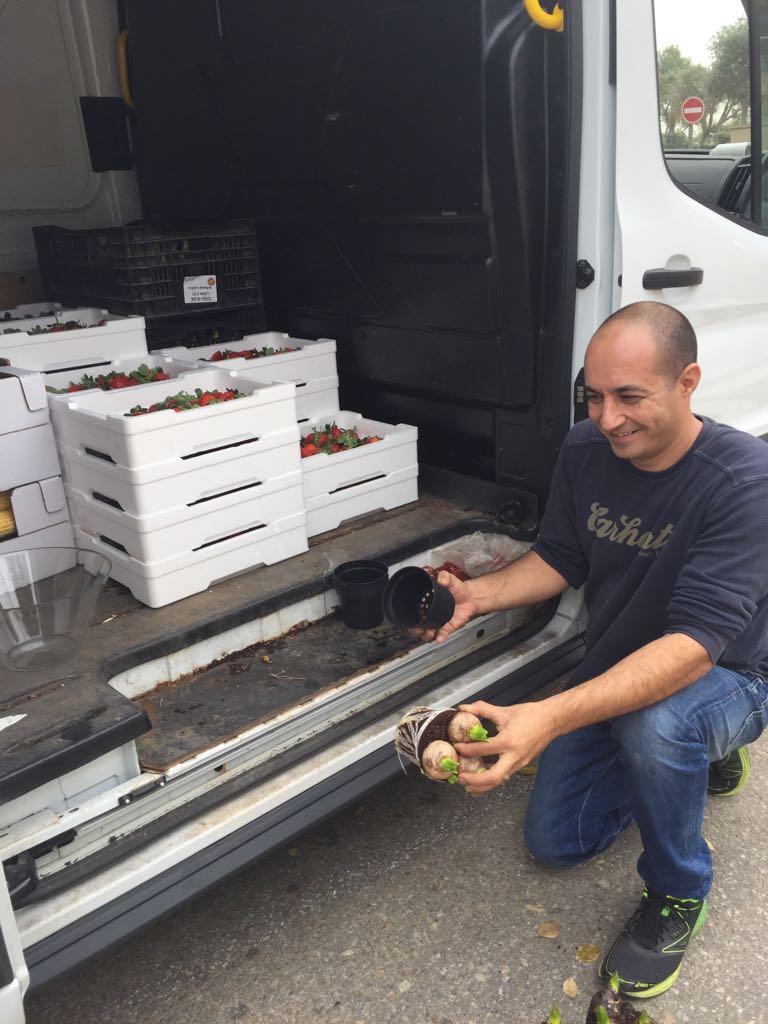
<point x="680" y="551"/>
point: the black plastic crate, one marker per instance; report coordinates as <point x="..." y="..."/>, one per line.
<point x="208" y="327"/>
<point x="141" y="269"/>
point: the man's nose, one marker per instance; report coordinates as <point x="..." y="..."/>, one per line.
<point x="611" y="415"/>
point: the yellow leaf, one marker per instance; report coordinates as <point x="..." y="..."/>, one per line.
<point x="266" y="659"/>
<point x="712" y="846"/>
<point x="535" y="908"/>
<point x="528" y="769"/>
<point x="570" y="988"/>
<point x="294" y="852"/>
<point x="586" y="954"/>
<point x="549" y="929"/>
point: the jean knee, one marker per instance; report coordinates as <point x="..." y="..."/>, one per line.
<point x="654" y="732"/>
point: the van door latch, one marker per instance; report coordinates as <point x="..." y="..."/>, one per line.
<point x="585" y="274"/>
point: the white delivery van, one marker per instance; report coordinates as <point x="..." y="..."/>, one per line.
<point x="458" y="193"/>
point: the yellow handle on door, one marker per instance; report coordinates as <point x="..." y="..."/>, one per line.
<point x="122" y="64"/>
<point x="554" y="21"/>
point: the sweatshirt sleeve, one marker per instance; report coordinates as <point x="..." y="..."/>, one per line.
<point x="726" y="573"/>
<point x="558" y="542"/>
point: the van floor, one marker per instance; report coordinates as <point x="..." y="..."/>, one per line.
<point x="249" y="686"/>
<point x="211" y="705"/>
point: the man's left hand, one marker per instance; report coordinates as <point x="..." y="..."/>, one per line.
<point x="524" y="730"/>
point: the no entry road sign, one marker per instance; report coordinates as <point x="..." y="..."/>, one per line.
<point x="693" y="109"/>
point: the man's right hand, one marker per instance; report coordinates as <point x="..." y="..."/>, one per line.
<point x="466" y="605"/>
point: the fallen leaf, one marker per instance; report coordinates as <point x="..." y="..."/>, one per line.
<point x="266" y="659"/>
<point x="528" y="769"/>
<point x="570" y="988"/>
<point x="535" y="908"/>
<point x="712" y="846"/>
<point x="294" y="852"/>
<point x="586" y="954"/>
<point x="549" y="929"/>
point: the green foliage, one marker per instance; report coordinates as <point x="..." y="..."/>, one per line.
<point x="723" y="85"/>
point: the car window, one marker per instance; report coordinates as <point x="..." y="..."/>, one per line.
<point x="703" y="60"/>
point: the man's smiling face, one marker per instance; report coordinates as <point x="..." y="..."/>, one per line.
<point x="633" y="400"/>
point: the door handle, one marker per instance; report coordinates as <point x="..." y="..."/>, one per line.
<point x="653" y="280"/>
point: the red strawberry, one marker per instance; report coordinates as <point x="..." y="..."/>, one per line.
<point x="307" y="450"/>
<point x="336" y="431"/>
<point x="121" y="380"/>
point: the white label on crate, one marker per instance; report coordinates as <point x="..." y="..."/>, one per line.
<point x="12" y="720"/>
<point x="200" y="289"/>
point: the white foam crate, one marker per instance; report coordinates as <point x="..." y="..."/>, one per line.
<point x="329" y="511"/>
<point x="27" y="456"/>
<point x="160" y="583"/>
<point x="94" y="344"/>
<point x="23" y="401"/>
<point x="325" y="474"/>
<point x="62" y="379"/>
<point x="59" y="536"/>
<point x="185" y="529"/>
<point x="312" y="360"/>
<point x="150" y="489"/>
<point x="97" y="420"/>
<point x="38" y="505"/>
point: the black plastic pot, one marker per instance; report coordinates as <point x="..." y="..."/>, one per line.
<point x="360" y="586"/>
<point x="413" y="599"/>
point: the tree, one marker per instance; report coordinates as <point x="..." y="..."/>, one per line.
<point x="723" y="86"/>
<point x="728" y="93"/>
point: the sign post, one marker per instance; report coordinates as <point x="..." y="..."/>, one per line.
<point x="693" y="111"/>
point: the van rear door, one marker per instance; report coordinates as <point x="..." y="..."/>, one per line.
<point x="14" y="977"/>
<point x="708" y="261"/>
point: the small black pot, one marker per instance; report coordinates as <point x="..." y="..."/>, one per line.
<point x="412" y="599"/>
<point x="360" y="586"/>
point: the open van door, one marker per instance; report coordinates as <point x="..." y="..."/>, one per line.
<point x="14" y="976"/>
<point x="710" y="261"/>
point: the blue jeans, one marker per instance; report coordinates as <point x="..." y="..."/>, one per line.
<point x="649" y="766"/>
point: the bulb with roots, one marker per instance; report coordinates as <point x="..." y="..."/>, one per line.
<point x="465" y="727"/>
<point x="440" y="761"/>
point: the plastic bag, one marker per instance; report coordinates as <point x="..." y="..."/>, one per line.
<point x="479" y="553"/>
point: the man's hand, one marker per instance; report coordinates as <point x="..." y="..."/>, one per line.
<point x="524" y="730"/>
<point x="466" y="606"/>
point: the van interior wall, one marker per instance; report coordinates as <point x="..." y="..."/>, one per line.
<point x="52" y="52"/>
<point x="406" y="164"/>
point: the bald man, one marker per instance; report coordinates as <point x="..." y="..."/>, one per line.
<point x="662" y="517"/>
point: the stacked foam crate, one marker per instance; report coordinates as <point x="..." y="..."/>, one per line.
<point x="47" y="344"/>
<point x="33" y="509"/>
<point x="311" y="365"/>
<point x="34" y="339"/>
<point x="345" y="484"/>
<point x="180" y="500"/>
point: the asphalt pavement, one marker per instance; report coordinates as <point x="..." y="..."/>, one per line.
<point x="419" y="906"/>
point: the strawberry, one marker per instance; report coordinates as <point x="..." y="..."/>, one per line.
<point x="120" y="380"/>
<point x="307" y="450"/>
<point x="336" y="431"/>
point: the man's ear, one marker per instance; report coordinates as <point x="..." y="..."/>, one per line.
<point x="689" y="379"/>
